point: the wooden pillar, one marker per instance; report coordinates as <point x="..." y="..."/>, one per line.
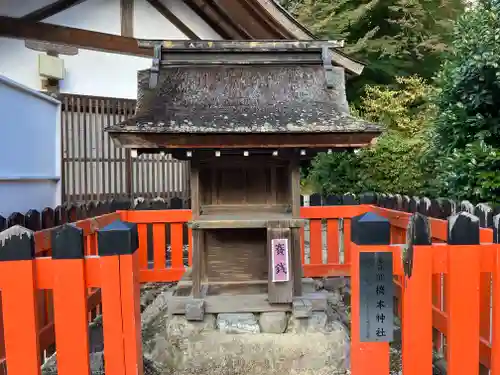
<point x="294" y="172"/>
<point x="279" y="291"/>
<point x="127" y="29"/>
<point x="198" y="236"/>
<point x="198" y="263"/>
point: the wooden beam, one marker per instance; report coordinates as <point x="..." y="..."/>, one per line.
<point x="127" y="17"/>
<point x="186" y="141"/>
<point x="264" y="19"/>
<point x="229" y="304"/>
<point x="50" y="10"/>
<point x="84" y="39"/>
<point x="213" y="19"/>
<point x="127" y="30"/>
<point x="226" y="17"/>
<point x="173" y="19"/>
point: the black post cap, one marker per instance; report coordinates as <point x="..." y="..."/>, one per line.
<point x="467" y="207"/>
<point x="419" y="230"/>
<point x="398" y="202"/>
<point x="414" y="204"/>
<point x="67" y="242"/>
<point x="463" y="229"/>
<point x="117" y="238"/>
<point x="349" y="199"/>
<point x="332" y="200"/>
<point x="17" y="243"/>
<point x="176" y="203"/>
<point x="370" y="229"/>
<point x="315" y="199"/>
<point x="424" y="206"/>
<point x="406" y="203"/>
<point x="418" y="233"/>
<point x="368" y="198"/>
<point x="485" y="214"/>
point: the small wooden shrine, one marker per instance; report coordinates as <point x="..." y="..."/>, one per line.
<point x="245" y="114"/>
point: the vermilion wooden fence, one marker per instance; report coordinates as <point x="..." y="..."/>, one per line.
<point x="164" y="223"/>
<point x="437" y="271"/>
<point x="71" y="277"/>
<point x="45" y="310"/>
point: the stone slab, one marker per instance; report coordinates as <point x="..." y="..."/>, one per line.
<point x="273" y="322"/>
<point x="318" y="300"/>
<point x="301" y="308"/>
<point x="237" y="323"/>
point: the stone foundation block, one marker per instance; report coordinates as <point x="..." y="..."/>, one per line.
<point x="316" y="323"/>
<point x="334" y="283"/>
<point x="308" y="285"/>
<point x="318" y="300"/>
<point x="178" y="325"/>
<point x="195" y="309"/>
<point x="273" y="322"/>
<point x="237" y="323"/>
<point x="301" y="308"/>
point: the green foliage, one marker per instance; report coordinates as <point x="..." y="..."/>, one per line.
<point x="446" y="146"/>
<point x="405" y="108"/>
<point x="466" y="142"/>
<point x="334" y="173"/>
<point x="471" y="173"/>
<point x="392" y="164"/>
<point x="394" y="37"/>
<point x="470" y="82"/>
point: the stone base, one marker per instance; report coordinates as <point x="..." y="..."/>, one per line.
<point x="239" y="344"/>
<point x="306" y="337"/>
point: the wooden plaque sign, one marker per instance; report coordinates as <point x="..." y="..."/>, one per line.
<point x="376" y="292"/>
<point x="280" y="260"/>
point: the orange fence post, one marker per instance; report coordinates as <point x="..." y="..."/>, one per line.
<point x="417" y="299"/>
<point x="131" y="305"/>
<point x="332" y="241"/>
<point x="176" y="239"/>
<point x="70" y="301"/>
<point x="3" y="366"/>
<point x="159" y="246"/>
<point x="347" y="240"/>
<point x="484" y="214"/>
<point x="463" y="293"/>
<point x="121" y="241"/>
<point x="366" y="357"/>
<point x="302" y="246"/>
<point x="17" y="282"/>
<point x="143" y="249"/>
<point x="495" y="336"/>
<point x="315" y="242"/>
<point x="109" y="245"/>
<point x="190" y="248"/>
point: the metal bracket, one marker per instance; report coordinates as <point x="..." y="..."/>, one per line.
<point x="155" y="68"/>
<point x="326" y="56"/>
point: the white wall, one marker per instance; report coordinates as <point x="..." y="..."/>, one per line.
<point x="30" y="150"/>
<point x="92" y="72"/>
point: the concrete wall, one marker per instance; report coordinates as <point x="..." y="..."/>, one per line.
<point x="91" y="72"/>
<point x="30" y="149"/>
